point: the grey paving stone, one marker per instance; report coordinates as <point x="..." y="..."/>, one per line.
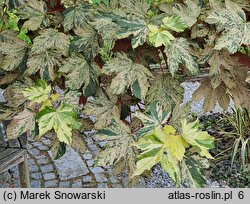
<point x="36" y="175"/>
<point x="102" y="144"/>
<point x="114" y="179"/>
<point x="96" y="170"/>
<point x="35" y="184"/>
<point x="50" y="184"/>
<point x="116" y="185"/>
<point x="64" y="184"/>
<point x="31" y="162"/>
<point x="102" y="185"/>
<point x="100" y="178"/>
<point x="70" y="165"/>
<point x="37" y="143"/>
<point x="87" y="179"/>
<point x="49" y="176"/>
<point x="94" y="149"/>
<point x="87" y="156"/>
<point x="4" y="177"/>
<point x="77" y="184"/>
<point x="43" y="147"/>
<point x="46" y="142"/>
<point x="90" y="163"/>
<point x="42" y="161"/>
<point x="34" y="152"/>
<point x="33" y="168"/>
<point x="47" y="168"/>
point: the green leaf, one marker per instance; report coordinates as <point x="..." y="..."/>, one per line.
<point x="173" y="23"/>
<point x="179" y="53"/>
<point x="51" y="39"/>
<point x="159" y="36"/>
<point x="189" y="12"/>
<point x="62" y="121"/>
<point x="23" y="122"/>
<point x="38" y="93"/>
<point x="194" y="173"/>
<point x="13" y="51"/>
<point x="200" y="139"/>
<point x="104" y="108"/>
<point x="156" y="117"/>
<point x="34" y="12"/>
<point x="165" y="90"/>
<point x="128" y="75"/>
<point x="76" y="17"/>
<point x="78" y="73"/>
<point x="232" y="20"/>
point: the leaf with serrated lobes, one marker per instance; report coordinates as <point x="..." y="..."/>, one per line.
<point x="165" y="90"/>
<point x="78" y="73"/>
<point x="104" y="108"/>
<point x="34" y="12"/>
<point x="13" y="50"/>
<point x="21" y="123"/>
<point x="236" y="30"/>
<point x="62" y="121"/>
<point x="179" y="53"/>
<point x="129" y="74"/>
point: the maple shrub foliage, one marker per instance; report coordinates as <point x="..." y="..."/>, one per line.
<point x="121" y="63"/>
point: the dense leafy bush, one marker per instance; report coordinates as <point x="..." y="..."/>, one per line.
<point x="120" y="56"/>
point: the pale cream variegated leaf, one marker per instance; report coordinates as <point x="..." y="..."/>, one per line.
<point x="167" y="91"/>
<point x="21" y="123"/>
<point x="189" y="12"/>
<point x="129" y="74"/>
<point x="45" y="63"/>
<point x="51" y="39"/>
<point x="79" y="73"/>
<point x="76" y="16"/>
<point x="13" y="94"/>
<point x="13" y="51"/>
<point x="236" y="29"/>
<point x="34" y="12"/>
<point x="104" y="108"/>
<point x="86" y="42"/>
<point x="118" y="151"/>
<point x="178" y="53"/>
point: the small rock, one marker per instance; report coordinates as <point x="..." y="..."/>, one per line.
<point x="97" y="170"/>
<point x="87" y="156"/>
<point x="33" y="168"/>
<point x="34" y="152"/>
<point x="100" y="178"/>
<point x="43" y="148"/>
<point x="113" y="179"/>
<point x="64" y="184"/>
<point x="35" y="184"/>
<point x="102" y="185"/>
<point x="90" y="162"/>
<point x="116" y="185"/>
<point x="49" y="176"/>
<point x="77" y="184"/>
<point x="102" y="144"/>
<point x="50" y="184"/>
<point x="87" y="179"/>
<point x="43" y="161"/>
<point x="36" y="144"/>
<point x="47" y="168"/>
<point x="36" y="175"/>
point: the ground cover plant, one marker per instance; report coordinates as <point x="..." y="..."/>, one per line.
<point x="123" y="62"/>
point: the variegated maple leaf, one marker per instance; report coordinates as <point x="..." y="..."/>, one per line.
<point x="129" y="75"/>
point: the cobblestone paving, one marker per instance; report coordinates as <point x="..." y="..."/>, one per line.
<point x="72" y="170"/>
